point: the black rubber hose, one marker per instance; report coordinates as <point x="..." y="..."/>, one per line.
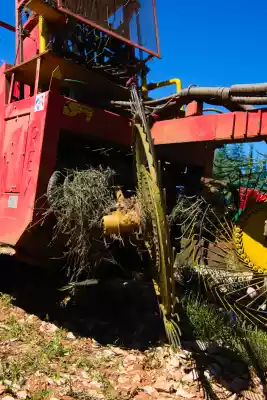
<point x="224" y="93"/>
<point x="249" y="89"/>
<point x="250" y="100"/>
<point x="181" y="100"/>
<point x="231" y="106"/>
<point x="215" y="110"/>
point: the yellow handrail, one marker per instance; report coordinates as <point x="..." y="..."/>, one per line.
<point x="175" y="81"/>
<point x="152" y="86"/>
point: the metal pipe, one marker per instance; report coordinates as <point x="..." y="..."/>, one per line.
<point x="207" y="91"/>
<point x="21" y="57"/>
<point x="21" y="50"/>
<point x="198" y="92"/>
<point x="250" y="100"/>
<point x="7" y="26"/>
<point x="178" y="102"/>
<point x="211" y="98"/>
<point x="249" y="89"/>
<point x="216" y="110"/>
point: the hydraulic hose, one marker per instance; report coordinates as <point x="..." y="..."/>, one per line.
<point x="234" y="98"/>
<point x="215" y="110"/>
<point x="238" y="92"/>
<point x="216" y="95"/>
<point x="250" y="100"/>
<point x="179" y="102"/>
<point x="249" y="89"/>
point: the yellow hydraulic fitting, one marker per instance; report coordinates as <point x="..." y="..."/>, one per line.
<point x="119" y="222"/>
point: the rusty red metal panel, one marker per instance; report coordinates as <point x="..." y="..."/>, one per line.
<point x="254" y="124"/>
<point x="96" y="122"/>
<point x="224" y="127"/>
<point x="229" y="127"/>
<point x="184" y="130"/>
<point x="52" y="124"/>
<point x="194" y="108"/>
<point x="3" y="99"/>
<point x="240" y="126"/>
<point x="31" y="40"/>
<point x="17" y="209"/>
<point x="263" y="124"/>
<point x="44" y="116"/>
<point x="13" y="152"/>
<point x="4" y="86"/>
<point x="31" y="44"/>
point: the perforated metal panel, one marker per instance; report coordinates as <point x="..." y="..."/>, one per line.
<point x="131" y="21"/>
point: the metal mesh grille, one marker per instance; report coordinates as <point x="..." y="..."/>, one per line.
<point x="130" y="20"/>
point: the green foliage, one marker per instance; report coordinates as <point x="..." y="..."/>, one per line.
<point x="205" y="320"/>
<point x="6" y="300"/>
<point x="13" y="329"/>
<point x="209" y="324"/>
<point x="41" y="394"/>
<point x="239" y="168"/>
<point x="54" y="348"/>
<point x="14" y="370"/>
<point x="257" y="341"/>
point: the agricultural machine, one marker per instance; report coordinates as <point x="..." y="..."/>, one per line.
<point x="89" y="158"/>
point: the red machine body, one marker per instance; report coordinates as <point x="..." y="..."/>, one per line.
<point x="34" y="114"/>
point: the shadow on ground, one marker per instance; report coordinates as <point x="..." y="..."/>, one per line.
<point x="111" y="313"/>
<point x="122" y="315"/>
<point x="217" y="367"/>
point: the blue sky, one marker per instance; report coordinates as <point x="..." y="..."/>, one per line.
<point x="210" y="43"/>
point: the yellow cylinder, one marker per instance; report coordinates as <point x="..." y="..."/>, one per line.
<point x="118" y="222"/>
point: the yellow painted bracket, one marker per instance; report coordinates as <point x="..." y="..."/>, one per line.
<point x="177" y="82"/>
<point x="152" y="86"/>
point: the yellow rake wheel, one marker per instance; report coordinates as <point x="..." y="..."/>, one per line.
<point x="230" y="258"/>
<point x="249" y="238"/>
<point x="156" y="233"/>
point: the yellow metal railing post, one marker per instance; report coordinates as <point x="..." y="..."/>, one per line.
<point x="42" y="34"/>
<point x="175" y="81"/>
<point x="144" y="86"/>
<point x="152" y="86"/>
<point x="178" y="84"/>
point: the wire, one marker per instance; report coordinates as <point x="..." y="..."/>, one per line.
<point x="210" y="109"/>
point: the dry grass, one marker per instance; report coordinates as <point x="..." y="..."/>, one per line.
<point x="29" y="354"/>
<point x="79" y="205"/>
<point x="209" y="324"/>
<point x="45" y="364"/>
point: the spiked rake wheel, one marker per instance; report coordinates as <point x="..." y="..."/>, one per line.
<point x="229" y="256"/>
<point x="156" y="233"/>
<point x="250" y="238"/>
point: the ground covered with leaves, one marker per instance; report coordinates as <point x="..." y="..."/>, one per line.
<point x="42" y="360"/>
